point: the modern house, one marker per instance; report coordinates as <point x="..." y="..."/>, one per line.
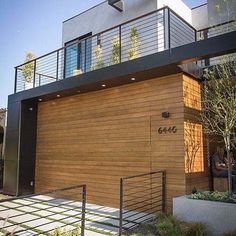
<point x="121" y="97"/>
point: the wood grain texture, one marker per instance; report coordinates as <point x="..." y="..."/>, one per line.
<point x="96" y="138"/>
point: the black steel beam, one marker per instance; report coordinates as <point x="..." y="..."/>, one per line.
<point x="155" y="65"/>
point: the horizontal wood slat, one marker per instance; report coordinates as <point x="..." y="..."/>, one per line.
<point x="98" y="137"/>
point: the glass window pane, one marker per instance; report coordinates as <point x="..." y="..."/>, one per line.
<point x="71" y="62"/>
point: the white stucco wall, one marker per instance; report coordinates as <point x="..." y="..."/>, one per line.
<point x="200" y="17"/>
<point x="179" y="7"/>
<point x="103" y="16"/>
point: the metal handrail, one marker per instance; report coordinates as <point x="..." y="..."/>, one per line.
<point x="214" y="26"/>
<point x="81" y="218"/>
<point x="111" y="28"/>
<point x="141" y="203"/>
<point x="52" y="63"/>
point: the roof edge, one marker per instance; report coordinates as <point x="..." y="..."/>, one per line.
<point x="199" y="6"/>
<point x="83" y="12"/>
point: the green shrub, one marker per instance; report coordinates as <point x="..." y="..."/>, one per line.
<point x="145" y="230"/>
<point x="134" y="40"/>
<point x="168" y="225"/>
<point x="115" y="57"/>
<point x="59" y="232"/>
<point x="99" y="62"/>
<point x="195" y="229"/>
<point x="214" y="196"/>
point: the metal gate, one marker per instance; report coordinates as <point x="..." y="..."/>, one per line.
<point x="42" y="213"/>
<point x="142" y="197"/>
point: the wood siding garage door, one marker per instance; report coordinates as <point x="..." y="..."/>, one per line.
<point x="98" y="137"/>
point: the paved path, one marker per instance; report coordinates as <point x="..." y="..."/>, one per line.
<point x="41" y="214"/>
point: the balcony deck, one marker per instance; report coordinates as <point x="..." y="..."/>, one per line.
<point x="151" y="33"/>
<point x="154" y="32"/>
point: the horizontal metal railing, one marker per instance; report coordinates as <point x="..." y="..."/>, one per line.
<point x="215" y="30"/>
<point x="153" y="32"/>
<point x="142" y="197"/>
<point x="39" y="214"/>
<point x="212" y="31"/>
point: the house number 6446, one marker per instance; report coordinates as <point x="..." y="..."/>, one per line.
<point x="164" y="130"/>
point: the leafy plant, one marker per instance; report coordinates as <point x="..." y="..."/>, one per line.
<point x="195" y="229"/>
<point x="134" y="49"/>
<point x="214" y="196"/>
<point x="168" y="225"/>
<point x="98" y="58"/>
<point x="28" y="68"/>
<point x="59" y="232"/>
<point x="145" y="229"/>
<point x="116" y="46"/>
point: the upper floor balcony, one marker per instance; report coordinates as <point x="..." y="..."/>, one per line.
<point x="151" y="33"/>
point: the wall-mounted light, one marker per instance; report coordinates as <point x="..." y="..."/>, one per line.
<point x="165" y="114"/>
<point x="133" y="79"/>
<point x="117" y="4"/>
<point x="40" y="99"/>
<point x="103" y="85"/>
<point x="58" y="95"/>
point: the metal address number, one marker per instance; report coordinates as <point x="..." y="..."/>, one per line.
<point x="164" y="130"/>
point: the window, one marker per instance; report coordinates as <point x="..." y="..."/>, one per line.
<point x="78" y="56"/>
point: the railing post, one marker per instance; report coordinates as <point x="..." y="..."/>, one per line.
<point x="57" y="69"/>
<point x="169" y="38"/>
<point x="121" y="207"/>
<point x="166" y="25"/>
<point x="34" y="79"/>
<point x="120" y="43"/>
<point x="39" y="79"/>
<point x="15" y="88"/>
<point x="64" y="59"/>
<point x="83" y="211"/>
<point x="163" y="191"/>
<point x="85" y="55"/>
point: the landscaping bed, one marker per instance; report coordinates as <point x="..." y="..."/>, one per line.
<point x="168" y="225"/>
<point x="214" y="196"/>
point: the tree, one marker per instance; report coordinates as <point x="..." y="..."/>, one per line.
<point x="134" y="39"/>
<point x="116" y="47"/>
<point x="28" y="68"/>
<point x="219" y="105"/>
<point x="2" y="113"/>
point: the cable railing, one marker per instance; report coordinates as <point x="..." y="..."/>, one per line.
<point x="148" y="34"/>
<point x="213" y="31"/>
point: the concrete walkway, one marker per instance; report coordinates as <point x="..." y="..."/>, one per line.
<point x="43" y="214"/>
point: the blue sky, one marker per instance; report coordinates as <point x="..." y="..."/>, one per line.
<point x="35" y="25"/>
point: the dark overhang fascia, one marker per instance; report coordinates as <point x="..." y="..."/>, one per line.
<point x="156" y="65"/>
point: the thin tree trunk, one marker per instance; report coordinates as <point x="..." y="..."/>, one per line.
<point x="229" y="164"/>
